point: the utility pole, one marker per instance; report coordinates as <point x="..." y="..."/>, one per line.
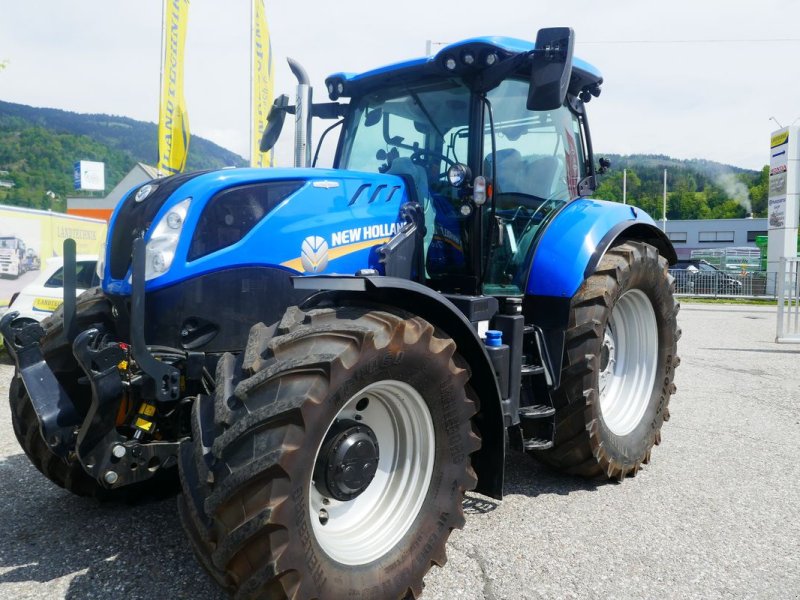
<point x="427" y="47"/>
<point x="664" y="209"/>
<point x="625" y="186"/>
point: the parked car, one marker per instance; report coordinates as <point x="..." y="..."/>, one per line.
<point x="697" y="276"/>
<point x="46" y="293"/>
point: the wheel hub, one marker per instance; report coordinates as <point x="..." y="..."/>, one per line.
<point x="347" y="461"/>
<point x="608" y="358"/>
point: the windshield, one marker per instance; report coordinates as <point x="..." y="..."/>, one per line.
<point x="8" y="242"/>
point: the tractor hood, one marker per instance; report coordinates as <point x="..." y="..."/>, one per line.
<point x="303" y="221"/>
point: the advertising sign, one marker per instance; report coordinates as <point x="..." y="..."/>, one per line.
<point x="778" y="161"/>
<point x="89" y="175"/>
<point x="29" y="237"/>
<point x="261" y="83"/>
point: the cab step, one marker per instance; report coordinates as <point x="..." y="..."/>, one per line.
<point x="537" y="411"/>
<point x="537" y="444"/>
<point x="528" y="370"/>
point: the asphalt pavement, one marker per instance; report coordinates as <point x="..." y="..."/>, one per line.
<point x="714" y="515"/>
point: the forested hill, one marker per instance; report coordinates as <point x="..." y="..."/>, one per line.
<point x="696" y="188"/>
<point x="38" y="147"/>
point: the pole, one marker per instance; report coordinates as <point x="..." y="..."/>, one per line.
<point x="625" y="186"/>
<point x="160" y="83"/>
<point x="252" y="64"/>
<point x="427" y="47"/>
<point x="664" y="208"/>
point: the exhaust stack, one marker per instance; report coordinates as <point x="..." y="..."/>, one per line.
<point x="302" y="116"/>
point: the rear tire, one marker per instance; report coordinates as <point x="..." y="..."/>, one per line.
<point x="92" y="309"/>
<point x="619" y="364"/>
<point x="265" y="520"/>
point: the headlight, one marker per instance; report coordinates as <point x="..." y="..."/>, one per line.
<point x="458" y="174"/>
<point x="164" y="240"/>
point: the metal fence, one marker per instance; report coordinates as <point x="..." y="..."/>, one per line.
<point x="725" y="284"/>
<point x="731" y="259"/>
<point x="789" y="301"/>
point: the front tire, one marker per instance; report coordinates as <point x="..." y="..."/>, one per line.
<point x="619" y="364"/>
<point x="340" y="461"/>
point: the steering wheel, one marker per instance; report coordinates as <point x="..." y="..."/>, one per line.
<point x="423" y="158"/>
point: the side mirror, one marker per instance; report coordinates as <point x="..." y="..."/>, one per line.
<point x="551" y="68"/>
<point x="274" y="123"/>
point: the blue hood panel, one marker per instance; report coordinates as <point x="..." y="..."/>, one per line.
<point x="334" y="223"/>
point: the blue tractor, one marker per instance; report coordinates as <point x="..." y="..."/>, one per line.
<point x="327" y="359"/>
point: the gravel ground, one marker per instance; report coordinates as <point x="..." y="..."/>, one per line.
<point x="713" y="516"/>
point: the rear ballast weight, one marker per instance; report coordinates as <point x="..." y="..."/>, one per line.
<point x="327" y="360"/>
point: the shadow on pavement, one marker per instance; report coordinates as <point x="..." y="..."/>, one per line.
<point x="528" y="477"/>
<point x="762" y="350"/>
<point x="112" y="551"/>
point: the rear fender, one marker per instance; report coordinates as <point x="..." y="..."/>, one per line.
<point x="568" y="252"/>
<point x="573" y="244"/>
<point x="489" y="461"/>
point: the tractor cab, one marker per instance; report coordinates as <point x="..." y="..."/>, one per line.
<point x="491" y="136"/>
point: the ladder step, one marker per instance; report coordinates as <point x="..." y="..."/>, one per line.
<point x="537" y="411"/>
<point x="537" y="444"/>
<point x="532" y="370"/>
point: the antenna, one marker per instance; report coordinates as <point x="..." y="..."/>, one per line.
<point x="776" y="122"/>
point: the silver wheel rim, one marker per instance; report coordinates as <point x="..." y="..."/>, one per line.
<point x="367" y="527"/>
<point x="628" y="360"/>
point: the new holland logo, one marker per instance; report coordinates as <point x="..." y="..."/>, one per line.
<point x="314" y="254"/>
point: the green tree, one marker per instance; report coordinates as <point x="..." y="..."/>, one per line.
<point x="687" y="204"/>
<point x="611" y="187"/>
<point x="730" y="209"/>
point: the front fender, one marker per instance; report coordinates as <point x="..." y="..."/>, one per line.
<point x="417" y="299"/>
<point x="575" y="241"/>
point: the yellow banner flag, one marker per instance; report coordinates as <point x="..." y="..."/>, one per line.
<point x="173" y="120"/>
<point x="261" y="83"/>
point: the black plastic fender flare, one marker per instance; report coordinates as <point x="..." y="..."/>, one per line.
<point x="489" y="461"/>
<point x="632" y="230"/>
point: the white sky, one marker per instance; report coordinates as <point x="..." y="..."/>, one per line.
<point x="688" y="100"/>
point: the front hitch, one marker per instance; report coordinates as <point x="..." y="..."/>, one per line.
<point x="113" y="460"/>
<point x="58" y="418"/>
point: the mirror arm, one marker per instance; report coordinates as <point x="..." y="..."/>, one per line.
<point x="329" y="110"/>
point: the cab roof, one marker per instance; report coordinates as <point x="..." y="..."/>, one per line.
<point x="584" y="75"/>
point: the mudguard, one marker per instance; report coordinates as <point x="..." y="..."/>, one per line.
<point x="567" y="253"/>
<point x="489" y="461"/>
